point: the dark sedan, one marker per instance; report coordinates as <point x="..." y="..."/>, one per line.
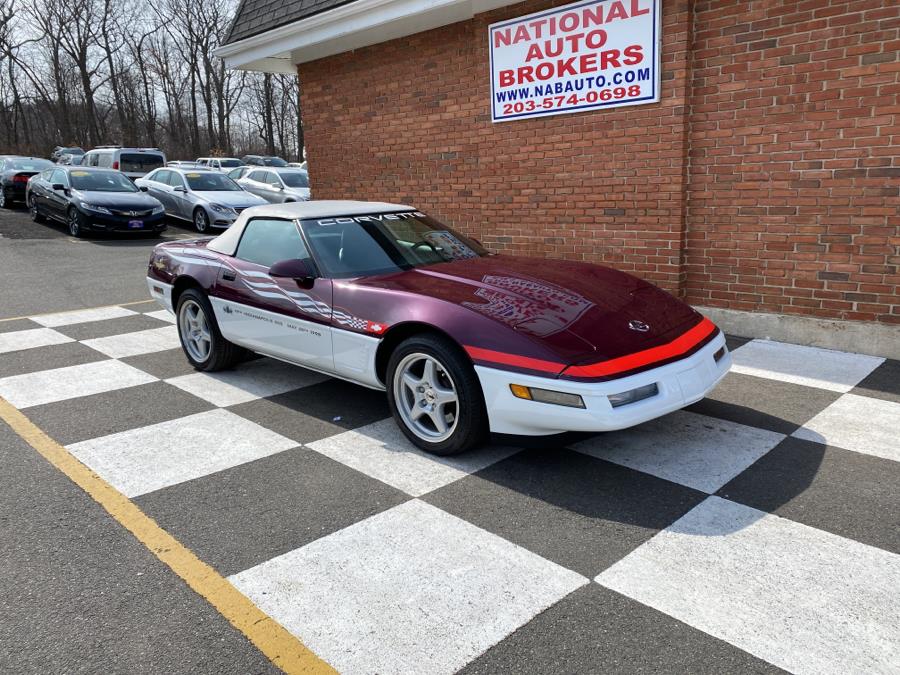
<point x="93" y="200"/>
<point x="14" y="175"/>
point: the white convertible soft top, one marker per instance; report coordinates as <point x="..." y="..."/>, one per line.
<point x="227" y="241"/>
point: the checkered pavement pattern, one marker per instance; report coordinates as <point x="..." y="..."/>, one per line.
<point x="757" y="530"/>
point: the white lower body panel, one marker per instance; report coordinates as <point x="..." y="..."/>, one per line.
<point x="680" y="384"/>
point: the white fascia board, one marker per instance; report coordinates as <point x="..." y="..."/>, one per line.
<point x="358" y="24"/>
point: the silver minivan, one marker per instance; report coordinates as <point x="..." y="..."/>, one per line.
<point x="133" y="162"/>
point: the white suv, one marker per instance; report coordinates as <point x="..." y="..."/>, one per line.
<point x="133" y="162"/>
<point x="219" y="163"/>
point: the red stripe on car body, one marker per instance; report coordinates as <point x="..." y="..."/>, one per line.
<point x="677" y="347"/>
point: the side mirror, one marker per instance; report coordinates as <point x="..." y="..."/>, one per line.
<point x="58" y="187"/>
<point x="143" y="188"/>
<point x="180" y="188"/>
<point x="300" y="269"/>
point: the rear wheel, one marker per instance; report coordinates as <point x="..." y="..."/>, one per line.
<point x="435" y="396"/>
<point x="198" y="331"/>
<point x="36" y="215"/>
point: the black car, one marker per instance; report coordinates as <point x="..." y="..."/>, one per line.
<point x="263" y="160"/>
<point x="14" y="175"/>
<point x="93" y="200"/>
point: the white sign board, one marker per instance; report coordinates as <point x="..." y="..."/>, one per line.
<point x="583" y="56"/>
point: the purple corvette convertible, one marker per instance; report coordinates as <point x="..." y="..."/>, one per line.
<point x="463" y="341"/>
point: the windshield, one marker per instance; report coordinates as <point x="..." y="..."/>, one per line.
<point x="72" y="151"/>
<point x="210" y="182"/>
<point x="295" y="179"/>
<point x="29" y="164"/>
<point x="274" y="161"/>
<point x="228" y="163"/>
<point x="140" y="162"/>
<point x="384" y="243"/>
<point x="101" y="181"/>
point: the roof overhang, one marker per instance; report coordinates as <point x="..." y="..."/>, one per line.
<point x="345" y="28"/>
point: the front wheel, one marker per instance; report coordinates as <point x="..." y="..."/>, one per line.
<point x="198" y="331"/>
<point x="435" y="396"/>
<point x="4" y="202"/>
<point x="76" y="223"/>
<point x="201" y="221"/>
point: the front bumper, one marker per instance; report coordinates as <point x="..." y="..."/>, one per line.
<point x="680" y="384"/>
<point x="101" y="222"/>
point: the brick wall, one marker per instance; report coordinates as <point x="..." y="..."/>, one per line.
<point x="794" y="190"/>
<point x="763" y="179"/>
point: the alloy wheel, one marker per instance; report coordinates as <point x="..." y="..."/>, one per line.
<point x="426" y="397"/>
<point x="200" y="220"/>
<point x="74" y="224"/>
<point x="194" y="329"/>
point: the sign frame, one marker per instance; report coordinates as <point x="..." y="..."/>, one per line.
<point x="655" y="63"/>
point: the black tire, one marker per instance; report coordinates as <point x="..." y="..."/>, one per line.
<point x="36" y="215"/>
<point x="471" y="420"/>
<point x="75" y="223"/>
<point x="222" y="353"/>
<point x="201" y="221"/>
<point x="5" y="202"/>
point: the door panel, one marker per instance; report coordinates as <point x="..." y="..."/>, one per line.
<point x="275" y="316"/>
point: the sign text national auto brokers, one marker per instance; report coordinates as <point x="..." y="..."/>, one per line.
<point x="583" y="56"/>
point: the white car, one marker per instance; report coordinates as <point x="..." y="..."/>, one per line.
<point x="133" y="162"/>
<point x="223" y="164"/>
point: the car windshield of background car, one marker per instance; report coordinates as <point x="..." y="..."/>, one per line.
<point x="101" y="181"/>
<point x="211" y="182"/>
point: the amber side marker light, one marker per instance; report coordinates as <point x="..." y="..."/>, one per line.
<point x="546" y="396"/>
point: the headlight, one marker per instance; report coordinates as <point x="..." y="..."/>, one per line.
<point x="158" y="209"/>
<point x="222" y="209"/>
<point x="96" y="208"/>
<point x="547" y="396"/>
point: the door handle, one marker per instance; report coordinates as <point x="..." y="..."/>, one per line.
<point x="228" y="276"/>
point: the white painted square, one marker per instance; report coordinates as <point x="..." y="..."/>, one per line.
<point x="859" y="423"/>
<point x="800" y="598"/>
<point x="701" y="452"/>
<point x="60" y="384"/>
<point x="250" y="381"/>
<point x="809" y="366"/>
<point x="30" y="339"/>
<point x="380" y="450"/>
<point x="410" y="590"/>
<point x="82" y="316"/>
<point x="157" y="456"/>
<point x="138" y="342"/>
<point x="162" y="315"/>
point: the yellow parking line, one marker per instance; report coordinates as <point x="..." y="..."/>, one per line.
<point x="270" y="637"/>
<point x="82" y="309"/>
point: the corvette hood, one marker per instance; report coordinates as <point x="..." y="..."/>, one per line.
<point x="581" y="312"/>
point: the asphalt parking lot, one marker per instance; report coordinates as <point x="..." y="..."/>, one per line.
<point x="759" y="530"/>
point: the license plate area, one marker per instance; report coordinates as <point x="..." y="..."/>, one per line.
<point x="135" y="224"/>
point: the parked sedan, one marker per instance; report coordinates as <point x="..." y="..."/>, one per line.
<point x="60" y="150"/>
<point x="204" y="197"/>
<point x="93" y="200"/>
<point x="461" y="340"/>
<point x="277" y="186"/>
<point x="14" y="175"/>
